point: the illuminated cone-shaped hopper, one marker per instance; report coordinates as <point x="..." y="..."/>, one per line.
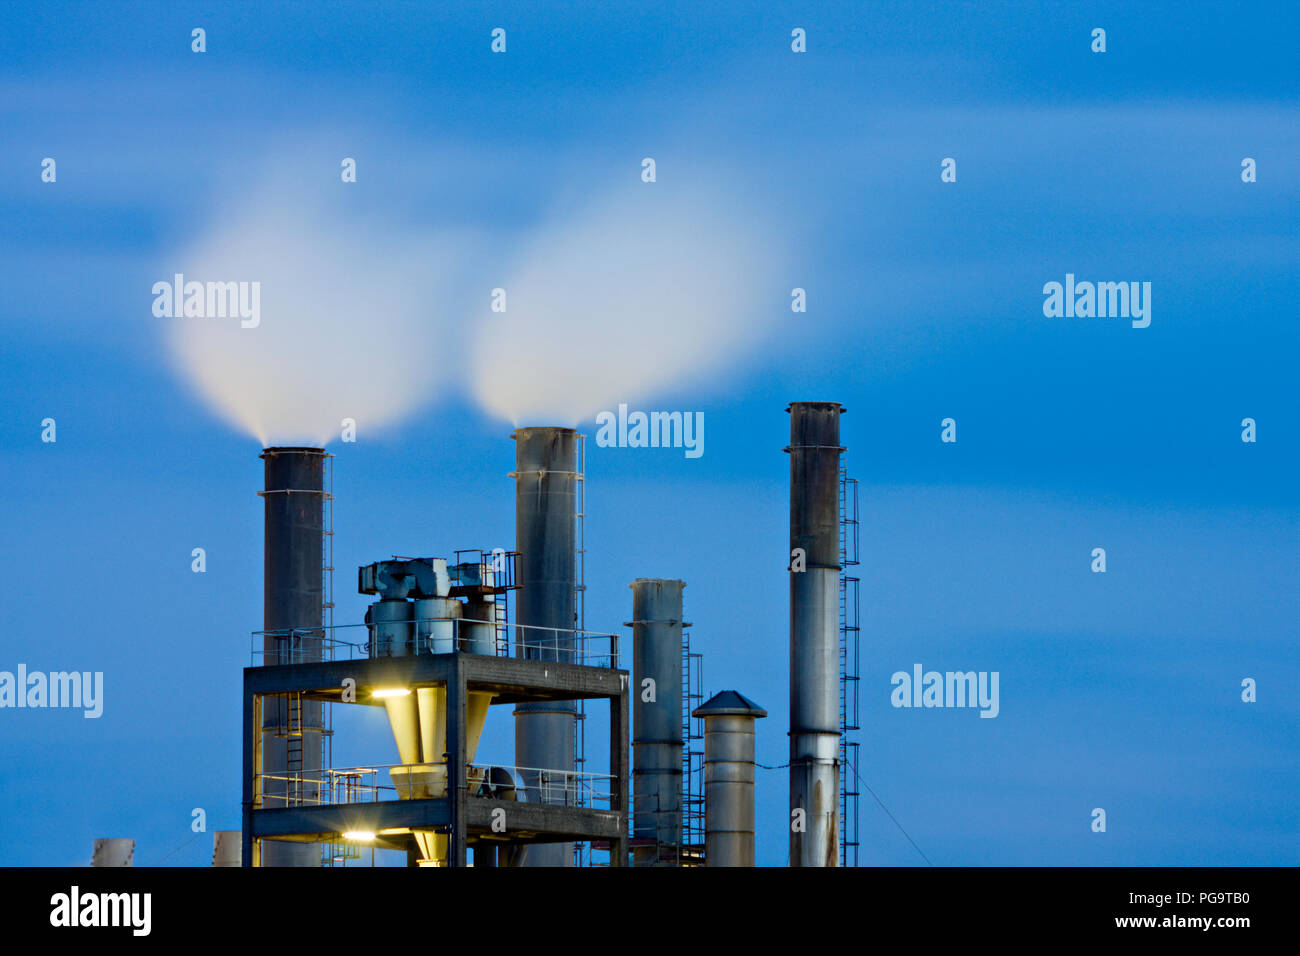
<point x="419" y="722"/>
<point x="430" y="624"/>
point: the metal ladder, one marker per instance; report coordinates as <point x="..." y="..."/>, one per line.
<point x="849" y="677"/>
<point x="581" y="851"/>
<point x="292" y="731"/>
<point x="327" y="608"/>
<point x="327" y="550"/>
<point x="692" y="798"/>
<point x="325" y="731"/>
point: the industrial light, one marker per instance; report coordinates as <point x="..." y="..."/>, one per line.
<point x="360" y="836"/>
<point x="382" y="692"/>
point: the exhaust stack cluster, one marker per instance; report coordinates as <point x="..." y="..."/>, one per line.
<point x="423" y="606"/>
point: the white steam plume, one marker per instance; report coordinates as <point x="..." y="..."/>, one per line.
<point x="348" y="324"/>
<point x="639" y="292"/>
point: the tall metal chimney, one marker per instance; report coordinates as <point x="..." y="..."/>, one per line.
<point x="657" y="724"/>
<point x="544" y="537"/>
<point x="729" y="778"/>
<point x="293" y="598"/>
<point x="814" y="632"/>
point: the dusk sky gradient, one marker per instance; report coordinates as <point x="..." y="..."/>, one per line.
<point x="1118" y="690"/>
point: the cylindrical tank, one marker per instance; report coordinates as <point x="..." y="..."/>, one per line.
<point x="478" y="631"/>
<point x="293" y="599"/>
<point x="729" y="778"/>
<point x="656" y="721"/>
<point x="814" y="632"/>
<point x="391" y="627"/>
<point x="113" y="851"/>
<point x="435" y="625"/>
<point x="545" y="511"/>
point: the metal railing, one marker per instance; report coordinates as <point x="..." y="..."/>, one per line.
<point x="336" y="786"/>
<point x="428" y="636"/>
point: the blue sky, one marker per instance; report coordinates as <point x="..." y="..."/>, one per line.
<point x="1118" y="690"/>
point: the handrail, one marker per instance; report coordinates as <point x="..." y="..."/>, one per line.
<point x="332" y="786"/>
<point x="297" y="645"/>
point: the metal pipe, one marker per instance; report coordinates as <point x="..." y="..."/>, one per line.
<point x="657" y="721"/>
<point x="478" y="632"/>
<point x="391" y="624"/>
<point x="544" y="537"/>
<point x="436" y="624"/>
<point x="814" y="632"/>
<point x="226" y="849"/>
<point x="729" y="778"/>
<point x="113" y="851"/>
<point x="293" y="599"/>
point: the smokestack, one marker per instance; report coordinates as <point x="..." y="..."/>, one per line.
<point x="113" y="851"/>
<point x="814" y="632"/>
<point x="544" y="537"/>
<point x="293" y="598"/>
<point x="729" y="778"/>
<point x="657" y="724"/>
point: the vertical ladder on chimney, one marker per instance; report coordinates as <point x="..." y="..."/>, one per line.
<point x="580" y="613"/>
<point x="691" y="846"/>
<point x="327" y="551"/>
<point x="325" y="732"/>
<point x="580" y="532"/>
<point x="849" y="676"/>
<point x="327" y="605"/>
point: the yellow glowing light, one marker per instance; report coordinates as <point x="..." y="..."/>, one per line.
<point x="382" y="692"/>
<point x="359" y="836"/>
